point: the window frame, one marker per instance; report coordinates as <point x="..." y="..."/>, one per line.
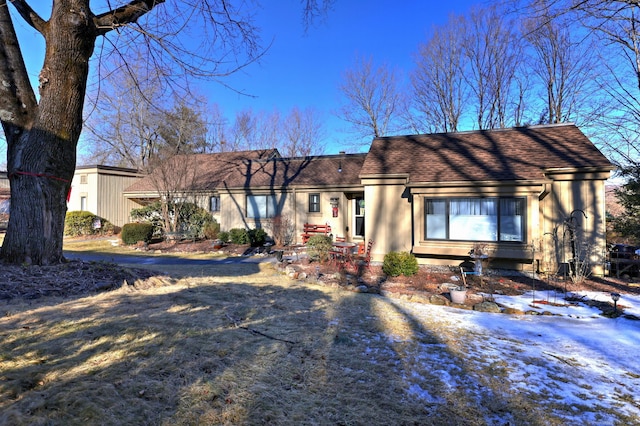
<point x="216" y="208"/>
<point x="358" y="216"/>
<point x="489" y="214"/>
<point x="314" y="206"/>
<point x="250" y="206"/>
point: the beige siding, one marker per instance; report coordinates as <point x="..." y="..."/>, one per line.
<point x="387" y="219"/>
<point x="110" y="202"/>
<point x="567" y="197"/>
<point x="295" y="205"/>
<point x="545" y="246"/>
<point x="103" y="188"/>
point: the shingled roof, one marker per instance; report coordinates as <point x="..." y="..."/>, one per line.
<point x="211" y="169"/>
<point x="263" y="169"/>
<point x="316" y="171"/>
<point x="522" y="153"/>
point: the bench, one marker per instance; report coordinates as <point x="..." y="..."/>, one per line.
<point x="310" y="230"/>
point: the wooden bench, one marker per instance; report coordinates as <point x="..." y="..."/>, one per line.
<point x="310" y="230"/>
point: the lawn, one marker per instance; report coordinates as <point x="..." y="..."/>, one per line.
<point x="255" y="347"/>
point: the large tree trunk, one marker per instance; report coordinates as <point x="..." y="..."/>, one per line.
<point x="42" y="156"/>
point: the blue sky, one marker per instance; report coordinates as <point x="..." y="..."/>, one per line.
<point x="304" y="69"/>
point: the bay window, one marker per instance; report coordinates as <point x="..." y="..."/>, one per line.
<point x="474" y="219"/>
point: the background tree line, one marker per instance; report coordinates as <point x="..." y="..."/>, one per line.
<point x="136" y="119"/>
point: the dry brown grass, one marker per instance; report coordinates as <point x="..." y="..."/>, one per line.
<point x="246" y="346"/>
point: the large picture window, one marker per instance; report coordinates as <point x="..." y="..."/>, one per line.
<point x="474" y="219"/>
<point x="261" y="206"/>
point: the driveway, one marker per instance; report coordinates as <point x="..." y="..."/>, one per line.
<point x="165" y="260"/>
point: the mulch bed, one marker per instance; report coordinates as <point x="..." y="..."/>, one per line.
<point x="436" y="280"/>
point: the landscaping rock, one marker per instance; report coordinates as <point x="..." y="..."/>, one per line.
<point x="487" y="307"/>
<point x="512" y="311"/>
<point x="438" y="299"/>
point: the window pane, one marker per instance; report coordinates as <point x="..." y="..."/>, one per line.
<point x="272" y="206"/>
<point x="314" y="203"/>
<point x="214" y="205"/>
<point x="511" y="223"/>
<point x="436" y="219"/>
<point x="359" y="226"/>
<point x="473" y="219"/>
<point x="256" y="206"/>
<point x="359" y="206"/>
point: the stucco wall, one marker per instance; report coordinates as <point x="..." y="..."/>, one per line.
<point x="578" y="207"/>
<point x="295" y="205"/>
<point x="388" y="219"/>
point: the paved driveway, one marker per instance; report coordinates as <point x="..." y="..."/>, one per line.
<point x="131" y="259"/>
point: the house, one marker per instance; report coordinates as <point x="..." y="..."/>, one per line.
<point x="247" y="189"/>
<point x="99" y="190"/>
<point x="533" y="196"/>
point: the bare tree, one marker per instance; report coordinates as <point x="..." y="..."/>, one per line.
<point x="493" y="53"/>
<point x="252" y="130"/>
<point x="217" y="129"/>
<point x="372" y="99"/>
<point x="42" y="133"/>
<point x="438" y="92"/>
<point x="174" y="177"/>
<point x="564" y="65"/>
<point x="122" y="122"/>
<point x="301" y="133"/>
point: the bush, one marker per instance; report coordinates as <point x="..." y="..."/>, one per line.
<point x="224" y="236"/>
<point x="192" y="220"/>
<point x="151" y="213"/>
<point x="195" y="219"/>
<point x="211" y="230"/>
<point x="257" y="237"/>
<point x="403" y="263"/>
<point x="239" y="236"/>
<point x="134" y="232"/>
<point x="86" y="223"/>
<point x="318" y="247"/>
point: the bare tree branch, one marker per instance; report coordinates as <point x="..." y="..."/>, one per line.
<point x="29" y="15"/>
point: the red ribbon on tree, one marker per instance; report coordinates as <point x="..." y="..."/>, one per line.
<point x="45" y="176"/>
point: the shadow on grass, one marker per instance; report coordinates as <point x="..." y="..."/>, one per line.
<point x="227" y="350"/>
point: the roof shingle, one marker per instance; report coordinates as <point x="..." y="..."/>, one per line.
<point x="256" y="169"/>
<point x="492" y="155"/>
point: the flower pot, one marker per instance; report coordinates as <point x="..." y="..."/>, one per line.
<point x="458" y="296"/>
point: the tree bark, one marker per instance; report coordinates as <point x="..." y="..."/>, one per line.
<point x="42" y="156"/>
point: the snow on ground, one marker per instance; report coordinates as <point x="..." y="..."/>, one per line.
<point x="583" y="366"/>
